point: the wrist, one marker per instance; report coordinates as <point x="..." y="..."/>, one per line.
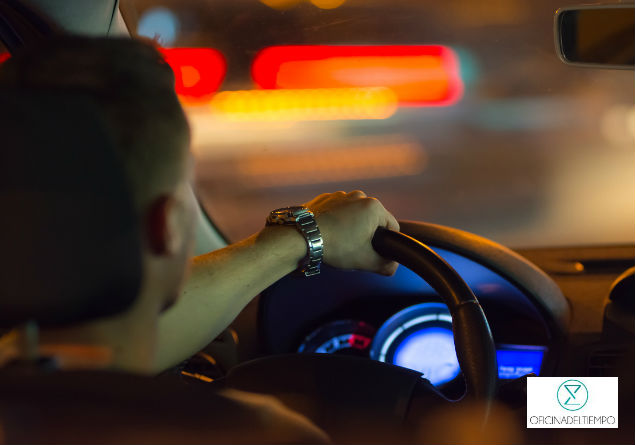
<point x="303" y="219"/>
<point x="285" y="244"/>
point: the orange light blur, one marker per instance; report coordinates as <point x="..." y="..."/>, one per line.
<point x="420" y="75"/>
<point x="328" y="4"/>
<point x="305" y="105"/>
<point x="287" y="4"/>
<point x="356" y="160"/>
<point x="280" y="4"/>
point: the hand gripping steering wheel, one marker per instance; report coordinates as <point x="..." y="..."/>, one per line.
<point x="343" y="394"/>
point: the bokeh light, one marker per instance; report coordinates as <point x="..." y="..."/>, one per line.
<point x="328" y="4"/>
<point x="617" y="125"/>
<point x="306" y="104"/>
<point x="420" y="75"/>
<point x="280" y="4"/>
<point x="287" y="4"/>
<point x="160" y="24"/>
<point x="198" y="72"/>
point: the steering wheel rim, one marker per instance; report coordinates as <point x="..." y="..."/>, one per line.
<point x="473" y="340"/>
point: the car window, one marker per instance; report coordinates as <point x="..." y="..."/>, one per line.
<point x="451" y="111"/>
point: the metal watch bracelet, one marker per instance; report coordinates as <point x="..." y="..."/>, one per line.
<point x="307" y="225"/>
<point x="304" y="220"/>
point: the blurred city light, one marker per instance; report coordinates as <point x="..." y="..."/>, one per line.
<point x="198" y="72"/>
<point x="618" y="125"/>
<point x="287" y="4"/>
<point x="420" y="75"/>
<point x="307" y="104"/>
<point x="328" y="4"/>
<point x="4" y="56"/>
<point x="159" y="24"/>
<point x="280" y="4"/>
<point x="351" y="160"/>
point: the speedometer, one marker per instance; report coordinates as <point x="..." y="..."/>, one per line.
<point x="420" y="338"/>
<point x="349" y="337"/>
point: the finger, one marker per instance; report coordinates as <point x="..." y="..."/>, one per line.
<point x="391" y="222"/>
<point x="389" y="268"/>
<point x="317" y="202"/>
<point x="385" y="267"/>
<point x="319" y="198"/>
<point x="376" y="263"/>
<point x="356" y="194"/>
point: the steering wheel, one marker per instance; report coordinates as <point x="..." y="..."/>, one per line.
<point x="472" y="336"/>
<point x="332" y="390"/>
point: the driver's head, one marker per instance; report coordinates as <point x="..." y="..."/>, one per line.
<point x="133" y="89"/>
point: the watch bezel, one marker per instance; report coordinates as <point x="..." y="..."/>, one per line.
<point x="287" y="215"/>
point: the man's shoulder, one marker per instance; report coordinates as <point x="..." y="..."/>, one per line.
<point x="115" y="407"/>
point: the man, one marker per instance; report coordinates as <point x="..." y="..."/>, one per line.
<point x="133" y="89"/>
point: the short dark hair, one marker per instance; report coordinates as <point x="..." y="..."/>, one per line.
<point x="134" y="87"/>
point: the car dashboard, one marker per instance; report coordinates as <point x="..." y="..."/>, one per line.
<point x="575" y="324"/>
<point x="401" y="320"/>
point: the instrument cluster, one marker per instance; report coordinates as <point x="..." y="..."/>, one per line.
<point x="402" y="321"/>
<point x="418" y="337"/>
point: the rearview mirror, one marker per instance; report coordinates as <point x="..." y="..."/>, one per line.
<point x="601" y="36"/>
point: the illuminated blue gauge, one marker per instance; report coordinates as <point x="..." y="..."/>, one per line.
<point x="420" y="338"/>
<point x="346" y="337"/>
<point x="518" y="360"/>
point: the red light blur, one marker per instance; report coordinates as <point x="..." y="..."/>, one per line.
<point x="4" y="57"/>
<point x="198" y="72"/>
<point x="420" y="75"/>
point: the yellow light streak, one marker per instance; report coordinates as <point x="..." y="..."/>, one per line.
<point x="305" y="104"/>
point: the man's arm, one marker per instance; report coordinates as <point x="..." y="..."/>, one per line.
<point x="222" y="282"/>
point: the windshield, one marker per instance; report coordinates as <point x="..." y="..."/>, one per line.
<point x="454" y="112"/>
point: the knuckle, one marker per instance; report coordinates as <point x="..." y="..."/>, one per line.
<point x="371" y="203"/>
<point x="357" y="193"/>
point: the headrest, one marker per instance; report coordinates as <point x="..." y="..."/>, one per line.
<point x="69" y="240"/>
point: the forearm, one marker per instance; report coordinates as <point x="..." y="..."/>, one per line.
<point x="221" y="283"/>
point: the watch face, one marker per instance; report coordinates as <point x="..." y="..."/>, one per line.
<point x="291" y="211"/>
<point x="286" y="215"/>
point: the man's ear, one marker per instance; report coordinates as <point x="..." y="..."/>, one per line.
<point x="163" y="234"/>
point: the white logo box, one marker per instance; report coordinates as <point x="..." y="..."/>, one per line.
<point x="572" y="402"/>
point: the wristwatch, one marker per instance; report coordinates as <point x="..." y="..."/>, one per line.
<point x="304" y="220"/>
